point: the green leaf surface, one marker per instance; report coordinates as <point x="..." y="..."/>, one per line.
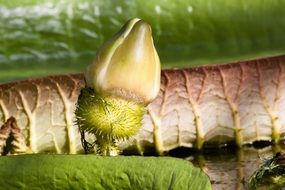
<point x="66" y="34"/>
<point x="93" y="172"/>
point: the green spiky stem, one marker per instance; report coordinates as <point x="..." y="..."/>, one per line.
<point x="109" y="118"/>
<point x="106" y="146"/>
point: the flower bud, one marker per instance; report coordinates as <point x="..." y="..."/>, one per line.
<point x="127" y="65"/>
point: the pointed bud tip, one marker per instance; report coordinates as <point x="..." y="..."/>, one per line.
<point x="141" y="26"/>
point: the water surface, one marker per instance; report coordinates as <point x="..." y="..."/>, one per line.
<point x="230" y="168"/>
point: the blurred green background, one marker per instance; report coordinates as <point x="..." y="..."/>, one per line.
<point x="44" y="37"/>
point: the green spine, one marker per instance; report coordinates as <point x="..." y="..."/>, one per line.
<point x="109" y="118"/>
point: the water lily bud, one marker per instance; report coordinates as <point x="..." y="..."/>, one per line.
<point x="127" y="65"/>
<point x="123" y="78"/>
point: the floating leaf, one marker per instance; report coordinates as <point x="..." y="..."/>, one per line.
<point x="92" y="172"/>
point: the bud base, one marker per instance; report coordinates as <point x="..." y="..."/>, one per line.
<point x="109" y="118"/>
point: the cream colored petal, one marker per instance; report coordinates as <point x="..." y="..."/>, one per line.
<point x="128" y="65"/>
<point x="104" y="54"/>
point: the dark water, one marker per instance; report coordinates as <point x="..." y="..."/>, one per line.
<point x="230" y="168"/>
